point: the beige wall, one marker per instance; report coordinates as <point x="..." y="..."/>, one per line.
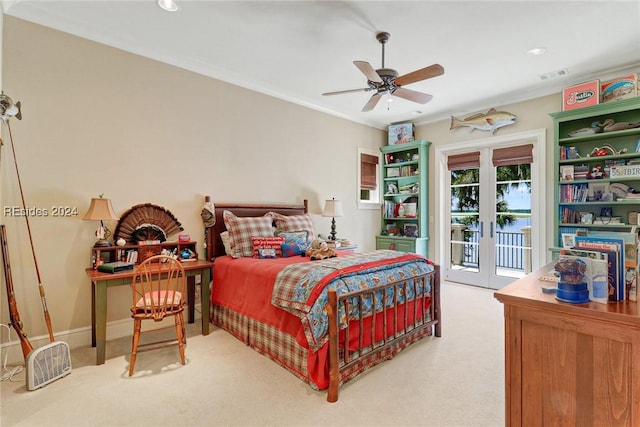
<point x="100" y="120"/>
<point x="531" y="115"/>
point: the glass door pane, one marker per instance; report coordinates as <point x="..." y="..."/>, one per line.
<point x="465" y="220"/>
<point x="512" y="221"/>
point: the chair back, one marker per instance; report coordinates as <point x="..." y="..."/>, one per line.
<point x="159" y="285"/>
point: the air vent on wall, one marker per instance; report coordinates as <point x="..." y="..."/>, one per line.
<point x="554" y="74"/>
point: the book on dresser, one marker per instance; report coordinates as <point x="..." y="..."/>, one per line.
<point x="614" y="249"/>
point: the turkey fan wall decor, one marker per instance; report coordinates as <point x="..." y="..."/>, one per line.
<point x="147" y="222"/>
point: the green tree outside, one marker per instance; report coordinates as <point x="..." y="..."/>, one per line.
<point x="465" y="192"/>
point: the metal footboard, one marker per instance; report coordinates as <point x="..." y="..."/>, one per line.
<point x="400" y="321"/>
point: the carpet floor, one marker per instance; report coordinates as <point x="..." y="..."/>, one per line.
<point x="456" y="380"/>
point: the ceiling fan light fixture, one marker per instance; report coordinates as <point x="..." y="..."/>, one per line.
<point x="168" y="5"/>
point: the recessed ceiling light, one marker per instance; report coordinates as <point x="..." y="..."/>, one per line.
<point x="168" y="5"/>
<point x="537" y="51"/>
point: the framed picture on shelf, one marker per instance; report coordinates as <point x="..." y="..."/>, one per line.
<point x="568" y="240"/>
<point x="411" y="230"/>
<point x="606" y="211"/>
<point x="566" y="173"/>
<point x="597" y="191"/>
<point x="586" y="217"/>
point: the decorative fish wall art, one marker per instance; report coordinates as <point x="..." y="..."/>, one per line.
<point x="491" y="120"/>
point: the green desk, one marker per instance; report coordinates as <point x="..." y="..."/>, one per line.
<point x="100" y="282"/>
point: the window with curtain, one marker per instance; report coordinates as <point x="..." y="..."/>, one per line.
<point x="368" y="171"/>
<point x="369" y="192"/>
<point x="520" y="155"/>
<point x="464" y="161"/>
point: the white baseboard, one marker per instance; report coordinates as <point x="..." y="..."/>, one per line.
<point x="80" y="337"/>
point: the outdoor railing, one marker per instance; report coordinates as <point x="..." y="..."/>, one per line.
<point x="509" y="247"/>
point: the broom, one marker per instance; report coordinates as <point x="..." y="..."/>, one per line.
<point x="53" y="360"/>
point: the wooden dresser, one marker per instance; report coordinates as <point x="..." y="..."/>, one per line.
<point x="569" y="364"/>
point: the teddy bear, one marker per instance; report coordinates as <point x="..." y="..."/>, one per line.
<point x="318" y="250"/>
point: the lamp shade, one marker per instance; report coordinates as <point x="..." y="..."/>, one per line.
<point x="332" y="208"/>
<point x="100" y="209"/>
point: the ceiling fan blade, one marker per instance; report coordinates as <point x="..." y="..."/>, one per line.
<point x="368" y="71"/>
<point x="412" y="95"/>
<point x="364" y="89"/>
<point x="434" y="70"/>
<point x="370" y="105"/>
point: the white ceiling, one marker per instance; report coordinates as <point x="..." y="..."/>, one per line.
<point x="296" y="50"/>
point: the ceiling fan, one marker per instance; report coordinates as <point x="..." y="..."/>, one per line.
<point x="386" y="80"/>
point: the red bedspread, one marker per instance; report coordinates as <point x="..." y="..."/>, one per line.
<point x="245" y="286"/>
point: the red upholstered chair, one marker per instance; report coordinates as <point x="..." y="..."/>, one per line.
<point x="159" y="286"/>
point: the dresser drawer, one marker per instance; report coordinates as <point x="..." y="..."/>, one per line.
<point x="395" y="243"/>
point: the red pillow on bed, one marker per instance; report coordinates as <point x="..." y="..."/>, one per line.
<point x="264" y="246"/>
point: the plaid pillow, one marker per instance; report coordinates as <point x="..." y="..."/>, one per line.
<point x="294" y="223"/>
<point x="241" y="229"/>
<point x="224" y="236"/>
<point x="261" y="243"/>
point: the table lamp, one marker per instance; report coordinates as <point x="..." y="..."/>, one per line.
<point x="333" y="208"/>
<point x="100" y="210"/>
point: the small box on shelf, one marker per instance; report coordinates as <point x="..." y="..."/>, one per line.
<point x="623" y="87"/>
<point x="581" y="95"/>
<point x="401" y="133"/>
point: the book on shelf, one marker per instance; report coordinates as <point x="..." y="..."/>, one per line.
<point x="580" y="172"/>
<point x="568" y="216"/>
<point x="574" y="193"/>
<point x="407" y="170"/>
<point x="132" y="256"/>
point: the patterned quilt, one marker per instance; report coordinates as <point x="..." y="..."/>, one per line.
<point x="301" y="289"/>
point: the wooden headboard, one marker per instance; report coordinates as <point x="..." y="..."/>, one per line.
<point x="214" y="243"/>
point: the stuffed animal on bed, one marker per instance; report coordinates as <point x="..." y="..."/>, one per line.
<point x="318" y="250"/>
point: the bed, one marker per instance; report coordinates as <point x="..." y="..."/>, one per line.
<point x="294" y="310"/>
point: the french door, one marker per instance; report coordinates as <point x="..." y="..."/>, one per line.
<point x="491" y="225"/>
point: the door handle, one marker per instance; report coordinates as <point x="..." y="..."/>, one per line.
<point x="491" y="230"/>
<point x="481" y="229"/>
